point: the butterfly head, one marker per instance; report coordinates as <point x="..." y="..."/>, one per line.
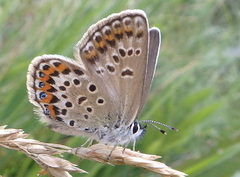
<point x="137" y="130"/>
<point x="123" y="135"/>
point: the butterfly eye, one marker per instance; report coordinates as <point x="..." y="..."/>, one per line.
<point x="135" y="127"/>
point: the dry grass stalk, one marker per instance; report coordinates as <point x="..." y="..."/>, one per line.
<point x="42" y="153"/>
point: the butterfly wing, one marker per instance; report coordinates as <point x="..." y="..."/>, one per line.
<point x="115" y="50"/>
<point x="66" y="96"/>
<point x="153" y="51"/>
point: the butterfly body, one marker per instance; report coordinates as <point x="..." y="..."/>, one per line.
<point x="101" y="93"/>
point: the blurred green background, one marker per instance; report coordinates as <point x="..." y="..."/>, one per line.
<point x="195" y="89"/>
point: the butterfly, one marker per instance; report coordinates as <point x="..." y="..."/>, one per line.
<point x="101" y="94"/>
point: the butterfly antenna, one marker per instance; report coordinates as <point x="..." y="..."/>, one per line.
<point x="161" y="130"/>
<point x="152" y="122"/>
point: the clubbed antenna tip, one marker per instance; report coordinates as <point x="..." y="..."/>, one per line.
<point x="174" y="129"/>
<point x="163" y="132"/>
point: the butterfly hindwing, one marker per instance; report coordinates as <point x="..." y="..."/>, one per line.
<point x="66" y="95"/>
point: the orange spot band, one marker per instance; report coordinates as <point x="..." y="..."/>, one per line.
<point x="48" y="98"/>
<point x="61" y="67"/>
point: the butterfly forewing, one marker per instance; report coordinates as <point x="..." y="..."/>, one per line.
<point x="115" y="51"/>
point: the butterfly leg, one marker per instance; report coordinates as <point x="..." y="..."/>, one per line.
<point x="108" y="158"/>
<point x="89" y="140"/>
<point x="134" y="145"/>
